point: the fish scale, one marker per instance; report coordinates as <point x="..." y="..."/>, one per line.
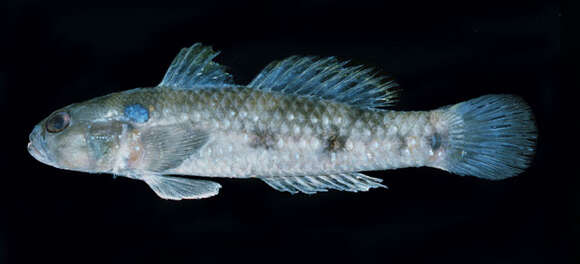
<point x="301" y="127"/>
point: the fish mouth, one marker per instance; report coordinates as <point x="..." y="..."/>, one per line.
<point x="38" y="151"/>
<point x="37" y="154"/>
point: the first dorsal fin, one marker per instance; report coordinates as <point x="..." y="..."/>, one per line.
<point x="327" y="78"/>
<point x="194" y="67"/>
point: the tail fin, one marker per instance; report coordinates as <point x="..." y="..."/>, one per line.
<point x="491" y="137"/>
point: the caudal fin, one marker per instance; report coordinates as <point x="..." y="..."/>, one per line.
<point x="491" y="137"/>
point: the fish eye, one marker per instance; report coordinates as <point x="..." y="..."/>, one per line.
<point x="58" y="122"/>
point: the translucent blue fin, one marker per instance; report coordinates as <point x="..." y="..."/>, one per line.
<point x="491" y="137"/>
<point x="327" y="78"/>
<point x="351" y="182"/>
<point x="193" y="67"/>
<point x="177" y="188"/>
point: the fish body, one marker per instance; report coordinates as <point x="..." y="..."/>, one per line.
<point x="302" y="125"/>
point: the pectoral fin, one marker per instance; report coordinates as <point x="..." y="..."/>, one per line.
<point x="177" y="188"/>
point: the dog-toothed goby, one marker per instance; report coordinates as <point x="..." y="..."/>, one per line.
<point x="304" y="124"/>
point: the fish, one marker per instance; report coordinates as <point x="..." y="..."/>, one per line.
<point x="304" y="124"/>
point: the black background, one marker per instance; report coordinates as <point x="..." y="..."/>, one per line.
<point x="440" y="52"/>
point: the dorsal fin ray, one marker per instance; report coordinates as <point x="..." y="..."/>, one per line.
<point x="194" y="67"/>
<point x="329" y="79"/>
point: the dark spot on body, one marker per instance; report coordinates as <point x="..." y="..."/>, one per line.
<point x="435" y="141"/>
<point x="403" y="144"/>
<point x="335" y="142"/>
<point x="263" y="139"/>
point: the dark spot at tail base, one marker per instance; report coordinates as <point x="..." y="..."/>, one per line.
<point x="435" y="141"/>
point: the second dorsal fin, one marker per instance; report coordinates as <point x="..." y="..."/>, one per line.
<point x="194" y="67"/>
<point x="327" y="78"/>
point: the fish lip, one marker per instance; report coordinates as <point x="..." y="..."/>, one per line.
<point x="36" y="148"/>
<point x="37" y="154"/>
<point x="32" y="150"/>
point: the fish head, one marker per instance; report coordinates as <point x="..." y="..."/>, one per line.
<point x="81" y="137"/>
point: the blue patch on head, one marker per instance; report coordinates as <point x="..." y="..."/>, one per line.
<point x="136" y="113"/>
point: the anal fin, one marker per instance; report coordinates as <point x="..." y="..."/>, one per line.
<point x="178" y="188"/>
<point x="350" y="182"/>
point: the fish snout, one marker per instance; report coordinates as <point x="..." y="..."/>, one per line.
<point x="36" y="146"/>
